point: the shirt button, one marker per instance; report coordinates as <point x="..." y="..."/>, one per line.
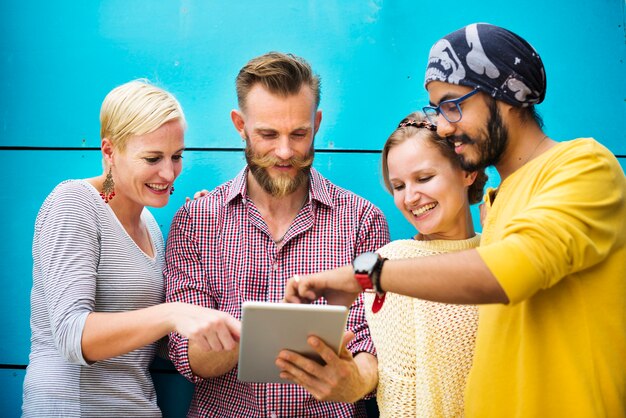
<point x="273" y="415"/>
<point x="275" y="266"/>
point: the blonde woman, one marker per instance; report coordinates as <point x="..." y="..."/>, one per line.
<point x="425" y="348"/>
<point x="96" y="301"/>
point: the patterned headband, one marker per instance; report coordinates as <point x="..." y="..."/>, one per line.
<point x="421" y="124"/>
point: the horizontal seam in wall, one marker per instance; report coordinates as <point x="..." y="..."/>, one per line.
<point x="13" y="366"/>
<point x="317" y="150"/>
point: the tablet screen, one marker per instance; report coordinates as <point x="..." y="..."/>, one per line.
<point x="267" y="328"/>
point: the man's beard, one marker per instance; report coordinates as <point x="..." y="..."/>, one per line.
<point x="282" y="185"/>
<point x="491" y="148"/>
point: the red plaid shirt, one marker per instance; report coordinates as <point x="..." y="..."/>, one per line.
<point x="220" y="254"/>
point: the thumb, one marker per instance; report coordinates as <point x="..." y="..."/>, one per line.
<point x="347" y="337"/>
<point x="234" y="327"/>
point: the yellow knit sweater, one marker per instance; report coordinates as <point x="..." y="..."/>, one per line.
<point x="424" y="348"/>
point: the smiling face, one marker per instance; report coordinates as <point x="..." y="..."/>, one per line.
<point x="146" y="168"/>
<point x="429" y="190"/>
<point x="480" y="138"/>
<point x="279" y="133"/>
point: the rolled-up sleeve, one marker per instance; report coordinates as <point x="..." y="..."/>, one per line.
<point x="569" y="225"/>
<point x="185" y="281"/>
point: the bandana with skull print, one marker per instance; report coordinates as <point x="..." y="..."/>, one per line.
<point x="492" y="59"/>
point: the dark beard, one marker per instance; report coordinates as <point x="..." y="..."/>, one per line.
<point x="491" y="149"/>
<point x="284" y="185"/>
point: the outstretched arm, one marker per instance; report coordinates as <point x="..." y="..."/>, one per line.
<point x="67" y="254"/>
<point x="108" y="335"/>
<point x="460" y="277"/>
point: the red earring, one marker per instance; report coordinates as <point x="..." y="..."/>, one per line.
<point x="108" y="188"/>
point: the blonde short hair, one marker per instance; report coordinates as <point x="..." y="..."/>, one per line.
<point x="137" y="108"/>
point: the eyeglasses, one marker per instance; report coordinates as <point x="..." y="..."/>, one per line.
<point x="449" y="109"/>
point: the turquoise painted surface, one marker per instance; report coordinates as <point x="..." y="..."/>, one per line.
<point x="11" y="393"/>
<point x="59" y="59"/>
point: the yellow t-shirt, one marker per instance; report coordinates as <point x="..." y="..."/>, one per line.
<point x="555" y="240"/>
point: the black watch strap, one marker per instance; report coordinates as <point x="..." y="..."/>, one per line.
<point x="376" y="282"/>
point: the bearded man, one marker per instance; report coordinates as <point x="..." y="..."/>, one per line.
<point x="549" y="274"/>
<point x="242" y="241"/>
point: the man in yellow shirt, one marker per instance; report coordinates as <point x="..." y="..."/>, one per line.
<point x="550" y="273"/>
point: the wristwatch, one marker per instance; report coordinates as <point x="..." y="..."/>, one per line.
<point x="367" y="267"/>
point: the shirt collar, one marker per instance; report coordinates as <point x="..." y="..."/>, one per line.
<point x="238" y="187"/>
<point x="318" y="189"/>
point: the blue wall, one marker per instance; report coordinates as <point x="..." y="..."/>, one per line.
<point x="60" y="58"/>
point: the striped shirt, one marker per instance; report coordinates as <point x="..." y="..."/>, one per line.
<point x="84" y="261"/>
<point x="220" y="254"/>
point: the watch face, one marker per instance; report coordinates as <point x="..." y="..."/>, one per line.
<point x="365" y="263"/>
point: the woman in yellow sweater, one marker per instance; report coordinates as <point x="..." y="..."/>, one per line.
<point x="425" y="356"/>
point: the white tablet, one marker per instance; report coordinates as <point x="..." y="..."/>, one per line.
<point x="267" y="328"/>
